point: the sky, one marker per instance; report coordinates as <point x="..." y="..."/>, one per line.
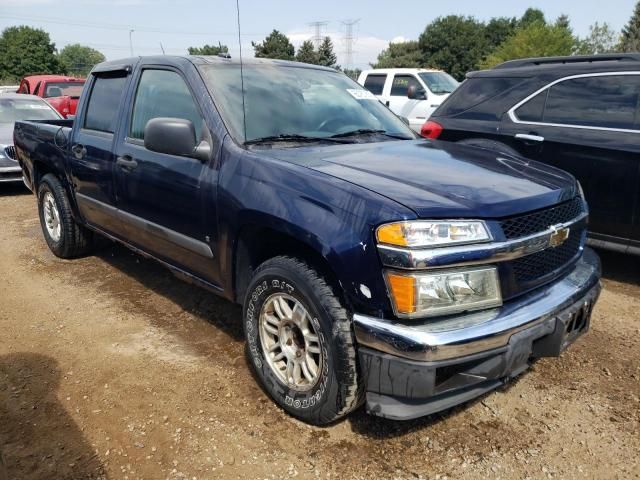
<point x="175" y="25"/>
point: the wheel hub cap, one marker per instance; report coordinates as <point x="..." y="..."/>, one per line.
<point x="289" y="342"/>
<point x="51" y="216"/>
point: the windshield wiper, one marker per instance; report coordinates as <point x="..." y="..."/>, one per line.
<point x="369" y="131"/>
<point x="292" y="137"/>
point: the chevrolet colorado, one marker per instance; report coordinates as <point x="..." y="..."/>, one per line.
<point x="373" y="267"/>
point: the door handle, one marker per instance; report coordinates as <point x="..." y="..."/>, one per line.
<point x="525" y="137"/>
<point x="78" y="151"/>
<point x="126" y="162"/>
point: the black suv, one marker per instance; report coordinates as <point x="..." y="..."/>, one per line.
<point x="581" y="114"/>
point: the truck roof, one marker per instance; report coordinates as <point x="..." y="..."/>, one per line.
<point x="177" y="60"/>
<point x="53" y="78"/>
<point x="400" y="70"/>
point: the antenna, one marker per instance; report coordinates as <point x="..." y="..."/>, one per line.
<point x="161" y="48"/>
<point x="244" y="111"/>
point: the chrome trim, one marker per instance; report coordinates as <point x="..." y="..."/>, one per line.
<point x="529" y="138"/>
<point x="515" y="119"/>
<point x="477" y="254"/>
<point x="15" y="169"/>
<point x="461" y="336"/>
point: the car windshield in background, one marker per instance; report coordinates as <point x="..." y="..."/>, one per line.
<point x="296" y="103"/>
<point x="439" y="83"/>
<point x="13" y="109"/>
<point x="60" y="89"/>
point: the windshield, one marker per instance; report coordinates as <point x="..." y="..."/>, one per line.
<point x="60" y="89"/>
<point x="13" y="109"/>
<point x="293" y="101"/>
<point x="439" y="83"/>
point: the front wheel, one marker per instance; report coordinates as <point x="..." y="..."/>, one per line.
<point x="300" y="342"/>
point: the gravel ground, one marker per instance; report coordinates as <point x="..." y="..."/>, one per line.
<point x="112" y="368"/>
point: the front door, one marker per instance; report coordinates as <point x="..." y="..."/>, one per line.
<point x="162" y="198"/>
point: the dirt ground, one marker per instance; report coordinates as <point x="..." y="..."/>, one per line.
<point x="112" y="368"/>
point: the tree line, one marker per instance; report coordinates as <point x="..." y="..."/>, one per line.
<point x="456" y="44"/>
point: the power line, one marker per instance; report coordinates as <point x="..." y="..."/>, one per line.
<point x="349" y="39"/>
<point x="317" y="36"/>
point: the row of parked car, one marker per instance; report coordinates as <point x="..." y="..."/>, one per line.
<point x="580" y="114"/>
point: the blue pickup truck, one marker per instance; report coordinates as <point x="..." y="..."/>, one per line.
<point x="373" y="267"/>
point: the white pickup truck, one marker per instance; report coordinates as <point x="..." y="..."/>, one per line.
<point x="413" y="93"/>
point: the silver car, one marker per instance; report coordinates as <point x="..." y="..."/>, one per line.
<point x="14" y="107"/>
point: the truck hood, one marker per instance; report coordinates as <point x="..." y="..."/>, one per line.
<point x="440" y="179"/>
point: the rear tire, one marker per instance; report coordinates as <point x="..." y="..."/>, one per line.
<point x="293" y="317"/>
<point x="65" y="237"/>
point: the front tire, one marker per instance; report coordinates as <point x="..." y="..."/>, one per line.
<point x="300" y="342"/>
<point x="65" y="238"/>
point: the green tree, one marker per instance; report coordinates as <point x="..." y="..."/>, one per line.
<point x="400" y="55"/>
<point x="455" y="44"/>
<point x="531" y="16"/>
<point x="630" y="41"/>
<point x="208" y="50"/>
<point x="25" y="50"/>
<point x="276" y="45"/>
<point x="79" y="59"/>
<point x="307" y="53"/>
<point x="601" y="39"/>
<point x="499" y="29"/>
<point x="563" y="22"/>
<point x="536" y="40"/>
<point x="326" y="56"/>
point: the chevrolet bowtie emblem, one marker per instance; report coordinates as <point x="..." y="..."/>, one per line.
<point x="559" y="236"/>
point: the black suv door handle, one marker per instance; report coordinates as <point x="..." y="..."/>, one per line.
<point x="126" y="163"/>
<point x="528" y="137"/>
<point x="78" y="151"/>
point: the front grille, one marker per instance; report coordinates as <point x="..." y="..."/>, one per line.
<point x="11" y="152"/>
<point x="537" y="266"/>
<point x="535" y="222"/>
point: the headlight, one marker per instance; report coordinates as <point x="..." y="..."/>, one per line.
<point x="421" y="233"/>
<point x="443" y="292"/>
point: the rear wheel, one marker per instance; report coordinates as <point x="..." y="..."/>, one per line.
<point x="65" y="238"/>
<point x="300" y="342"/>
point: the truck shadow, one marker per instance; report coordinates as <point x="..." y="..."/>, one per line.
<point x="38" y="438"/>
<point x="620" y="267"/>
<point x="13" y="189"/>
<point x="205" y="305"/>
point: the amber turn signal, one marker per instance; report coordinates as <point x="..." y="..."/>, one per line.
<point x="403" y="292"/>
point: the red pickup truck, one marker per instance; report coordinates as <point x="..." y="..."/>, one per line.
<point x="60" y="91"/>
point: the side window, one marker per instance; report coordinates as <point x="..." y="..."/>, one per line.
<point x="24" y="88"/>
<point x="401" y="84"/>
<point x="375" y="83"/>
<point x="102" y="110"/>
<point x="533" y="110"/>
<point x="608" y="101"/>
<point x="162" y="93"/>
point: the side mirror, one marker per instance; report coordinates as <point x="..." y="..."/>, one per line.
<point x="174" y="136"/>
<point x="416" y="93"/>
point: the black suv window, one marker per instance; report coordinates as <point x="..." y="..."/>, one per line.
<point x="162" y="93"/>
<point x="473" y="92"/>
<point x="603" y="101"/>
<point x="401" y="84"/>
<point x="375" y="83"/>
<point x="103" y="104"/>
<point x="533" y="110"/>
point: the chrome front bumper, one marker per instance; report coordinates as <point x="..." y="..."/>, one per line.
<point x="460" y="336"/>
<point x="11" y="174"/>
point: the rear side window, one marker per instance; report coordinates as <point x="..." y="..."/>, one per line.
<point x="401" y="84"/>
<point x="162" y="93"/>
<point x="533" y="110"/>
<point x="375" y="83"/>
<point x="473" y="92"/>
<point x="102" y="110"/>
<point x="606" y="101"/>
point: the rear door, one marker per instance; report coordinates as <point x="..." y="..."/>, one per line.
<point x="589" y="126"/>
<point x="374" y="82"/>
<point x="162" y="197"/>
<point x="91" y="157"/>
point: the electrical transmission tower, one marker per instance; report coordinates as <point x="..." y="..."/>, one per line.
<point x="317" y="32"/>
<point x="349" y="39"/>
